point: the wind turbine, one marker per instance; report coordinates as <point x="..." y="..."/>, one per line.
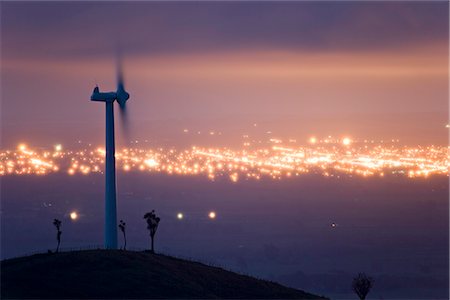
<point x="110" y="170"/>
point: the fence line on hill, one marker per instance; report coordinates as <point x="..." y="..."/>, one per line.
<point x="101" y="247"/>
<point x="62" y="249"/>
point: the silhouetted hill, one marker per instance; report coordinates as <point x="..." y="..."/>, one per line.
<point x="128" y="274"/>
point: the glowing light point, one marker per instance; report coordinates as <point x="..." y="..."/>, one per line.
<point x="73" y="215"/>
<point x="234" y="177"/>
<point x="346" y="141"/>
<point x="180" y="216"/>
<point x="22" y="147"/>
<point x="58" y="147"/>
<point x="312" y="140"/>
<point x="212" y="215"/>
<point x="151" y="162"/>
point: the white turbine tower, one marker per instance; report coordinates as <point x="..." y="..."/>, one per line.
<point x="110" y="163"/>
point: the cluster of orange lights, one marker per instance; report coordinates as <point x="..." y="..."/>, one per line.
<point x="331" y="158"/>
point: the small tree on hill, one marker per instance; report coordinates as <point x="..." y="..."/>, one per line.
<point x="57" y="224"/>
<point x="152" y="226"/>
<point x="122" y="226"/>
<point x="361" y="285"/>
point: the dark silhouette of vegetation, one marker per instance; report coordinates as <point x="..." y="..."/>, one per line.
<point x="361" y="285"/>
<point x="57" y="224"/>
<point x="122" y="226"/>
<point x="152" y="226"/>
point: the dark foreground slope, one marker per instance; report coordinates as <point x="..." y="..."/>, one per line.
<point x="127" y="274"/>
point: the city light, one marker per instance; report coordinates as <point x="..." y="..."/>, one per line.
<point x="328" y="157"/>
<point x="346" y="141"/>
<point x="73" y="215"/>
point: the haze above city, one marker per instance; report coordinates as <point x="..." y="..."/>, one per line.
<point x="296" y="69"/>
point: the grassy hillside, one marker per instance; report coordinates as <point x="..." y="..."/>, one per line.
<point x="127" y="274"/>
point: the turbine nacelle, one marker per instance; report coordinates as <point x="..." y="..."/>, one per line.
<point x="121" y="96"/>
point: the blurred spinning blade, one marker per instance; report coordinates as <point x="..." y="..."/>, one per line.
<point x="122" y="97"/>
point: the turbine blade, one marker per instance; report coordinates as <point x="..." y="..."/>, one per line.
<point x="122" y="97"/>
<point x="124" y="121"/>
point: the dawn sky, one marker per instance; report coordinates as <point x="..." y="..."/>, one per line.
<point x="364" y="69"/>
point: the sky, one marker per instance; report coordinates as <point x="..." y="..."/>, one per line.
<point x="368" y="70"/>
